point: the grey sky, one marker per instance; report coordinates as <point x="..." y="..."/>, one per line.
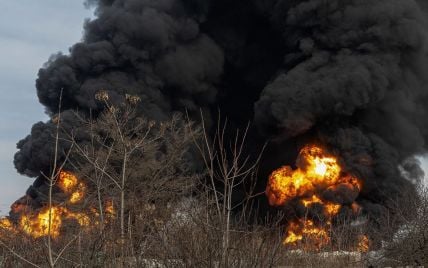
<point x="30" y="31"/>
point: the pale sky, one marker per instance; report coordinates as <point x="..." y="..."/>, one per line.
<point x="30" y="31"/>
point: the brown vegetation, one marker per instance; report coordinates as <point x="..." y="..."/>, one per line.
<point x="163" y="214"/>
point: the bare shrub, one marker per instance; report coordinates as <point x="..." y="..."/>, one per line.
<point x="409" y="246"/>
<point x="166" y="214"/>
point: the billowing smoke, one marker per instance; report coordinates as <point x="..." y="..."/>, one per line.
<point x="350" y="74"/>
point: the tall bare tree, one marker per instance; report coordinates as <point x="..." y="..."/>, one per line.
<point x="135" y="160"/>
<point x="229" y="168"/>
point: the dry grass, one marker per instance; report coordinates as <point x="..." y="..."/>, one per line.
<point x="178" y="236"/>
<point x="168" y="217"/>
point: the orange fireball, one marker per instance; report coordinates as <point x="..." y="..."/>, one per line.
<point x="48" y="221"/>
<point x="316" y="172"/>
<point x="69" y="184"/>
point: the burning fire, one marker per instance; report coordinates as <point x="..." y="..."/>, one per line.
<point x="6" y="224"/>
<point x="69" y="184"/>
<point x="316" y="236"/>
<point x="316" y="172"/>
<point x="363" y="243"/>
<point x="109" y="209"/>
<point x="48" y="221"/>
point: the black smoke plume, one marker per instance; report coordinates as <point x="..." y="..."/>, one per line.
<point x="350" y="74"/>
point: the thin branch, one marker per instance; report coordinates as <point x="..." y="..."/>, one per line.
<point x="18" y="255"/>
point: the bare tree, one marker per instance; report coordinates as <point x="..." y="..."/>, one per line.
<point x="51" y="179"/>
<point x="228" y="168"/>
<point x="408" y="245"/>
<point x="135" y="157"/>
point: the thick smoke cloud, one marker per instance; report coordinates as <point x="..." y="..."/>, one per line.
<point x="37" y="151"/>
<point x="361" y="86"/>
<point x="350" y="74"/>
<point x="151" y="48"/>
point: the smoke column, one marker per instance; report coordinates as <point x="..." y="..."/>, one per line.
<point x="350" y="74"/>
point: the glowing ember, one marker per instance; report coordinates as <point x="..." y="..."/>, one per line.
<point x="314" y="237"/>
<point x="78" y="194"/>
<point x="81" y="218"/>
<point x="363" y="243"/>
<point x="69" y="183"/>
<point x="316" y="172"/>
<point x="110" y="208"/>
<point x="6" y="224"/>
<point x="330" y="208"/>
<point x="313" y="200"/>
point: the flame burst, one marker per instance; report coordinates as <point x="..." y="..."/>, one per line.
<point x="109" y="208"/>
<point x="317" y="171"/>
<point x="317" y="237"/>
<point x="69" y="184"/>
<point x="6" y="224"/>
<point x="48" y="221"/>
<point x="363" y="243"/>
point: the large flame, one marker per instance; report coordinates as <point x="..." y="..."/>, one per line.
<point x="315" y="236"/>
<point x="48" y="221"/>
<point x="316" y="171"/>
